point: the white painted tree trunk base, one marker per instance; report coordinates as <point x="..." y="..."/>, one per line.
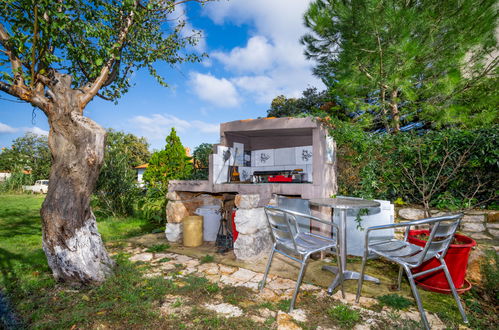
<point x="83" y="257"/>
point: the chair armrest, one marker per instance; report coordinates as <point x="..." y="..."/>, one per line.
<point x="311" y="217"/>
<point x="415" y="222"/>
<point x="408" y="224"/>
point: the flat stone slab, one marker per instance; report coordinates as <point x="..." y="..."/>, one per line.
<point x="141" y="257"/>
<point x="225" y="310"/>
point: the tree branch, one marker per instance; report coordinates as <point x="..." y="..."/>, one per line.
<point x="33" y="47"/>
<point x="27" y="95"/>
<point x="91" y="89"/>
<point x="15" y="62"/>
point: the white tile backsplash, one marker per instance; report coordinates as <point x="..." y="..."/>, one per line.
<point x="220" y="174"/>
<point x="274" y="159"/>
<point x="284" y="156"/>
<point x="264" y="157"/>
<point x="303" y="155"/>
<point x="245" y="173"/>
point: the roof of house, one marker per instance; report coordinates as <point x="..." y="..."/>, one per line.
<point x="142" y="166"/>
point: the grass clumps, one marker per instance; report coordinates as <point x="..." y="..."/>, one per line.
<point x="344" y="315"/>
<point x="207" y="259"/>
<point x="158" y="248"/>
<point x="284" y="305"/>
<point x="195" y="284"/>
<point x="395" y="301"/>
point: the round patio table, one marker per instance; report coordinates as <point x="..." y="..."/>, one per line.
<point x="342" y="205"/>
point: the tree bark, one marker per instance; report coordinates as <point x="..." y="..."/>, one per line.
<point x="395" y="110"/>
<point x="71" y="242"/>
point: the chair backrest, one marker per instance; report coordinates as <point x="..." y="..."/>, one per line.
<point x="283" y="227"/>
<point x="298" y="205"/>
<point x="441" y="235"/>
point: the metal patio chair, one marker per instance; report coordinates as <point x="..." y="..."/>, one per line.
<point x="409" y="256"/>
<point x="294" y="243"/>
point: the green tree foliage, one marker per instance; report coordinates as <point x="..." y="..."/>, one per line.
<point x="137" y="149"/>
<point x="117" y="192"/>
<point x="449" y="169"/>
<point x="394" y="58"/>
<point x="200" y="160"/>
<point x="311" y="103"/>
<point x="29" y="152"/>
<point x="89" y="40"/>
<point x="172" y="163"/>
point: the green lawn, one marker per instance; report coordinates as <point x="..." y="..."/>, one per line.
<point x="128" y="300"/>
<point x="26" y="278"/>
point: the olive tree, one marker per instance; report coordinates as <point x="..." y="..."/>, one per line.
<point x="59" y="55"/>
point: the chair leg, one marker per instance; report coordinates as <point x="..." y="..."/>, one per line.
<point x="269" y="262"/>
<point x="399" y="280"/>
<point x="454" y="291"/>
<point x="361" y="277"/>
<point x="298" y="283"/>
<point x="415" y="292"/>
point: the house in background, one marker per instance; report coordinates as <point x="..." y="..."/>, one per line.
<point x="4" y="175"/>
<point x="140" y="172"/>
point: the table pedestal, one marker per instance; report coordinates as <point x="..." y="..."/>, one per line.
<point x="343" y="274"/>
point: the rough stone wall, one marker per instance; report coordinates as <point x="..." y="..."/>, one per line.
<point x="183" y="204"/>
<point x="477" y="224"/>
<point x="254" y="240"/>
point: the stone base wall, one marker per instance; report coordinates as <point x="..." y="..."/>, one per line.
<point x="254" y="240"/>
<point x="183" y="204"/>
<point x="477" y="224"/>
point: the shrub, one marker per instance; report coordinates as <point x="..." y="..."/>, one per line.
<point x="16" y="181"/>
<point x="117" y="191"/>
<point x="152" y="206"/>
<point x="452" y="168"/>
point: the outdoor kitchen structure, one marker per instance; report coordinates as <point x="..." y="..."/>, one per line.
<point x="255" y="161"/>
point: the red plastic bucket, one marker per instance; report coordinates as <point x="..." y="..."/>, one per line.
<point x="456" y="260"/>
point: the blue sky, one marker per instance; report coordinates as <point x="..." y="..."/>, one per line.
<point x="254" y="55"/>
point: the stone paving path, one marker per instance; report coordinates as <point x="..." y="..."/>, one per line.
<point x="276" y="289"/>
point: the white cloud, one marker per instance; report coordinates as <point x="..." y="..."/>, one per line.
<point x="206" y="127"/>
<point x="272" y="61"/>
<point x="254" y="58"/>
<point x="220" y="92"/>
<point x="158" y="126"/>
<point x="262" y="87"/>
<point x="36" y="130"/>
<point x="4" y="128"/>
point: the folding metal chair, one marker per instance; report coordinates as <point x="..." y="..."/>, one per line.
<point x="409" y="256"/>
<point x="293" y="243"/>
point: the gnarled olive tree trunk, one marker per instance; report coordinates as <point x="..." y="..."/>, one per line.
<point x="72" y="244"/>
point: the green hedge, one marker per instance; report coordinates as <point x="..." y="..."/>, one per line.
<point x="449" y="169"/>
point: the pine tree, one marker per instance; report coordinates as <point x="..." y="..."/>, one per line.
<point x="394" y="58"/>
<point x="172" y="163"/>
